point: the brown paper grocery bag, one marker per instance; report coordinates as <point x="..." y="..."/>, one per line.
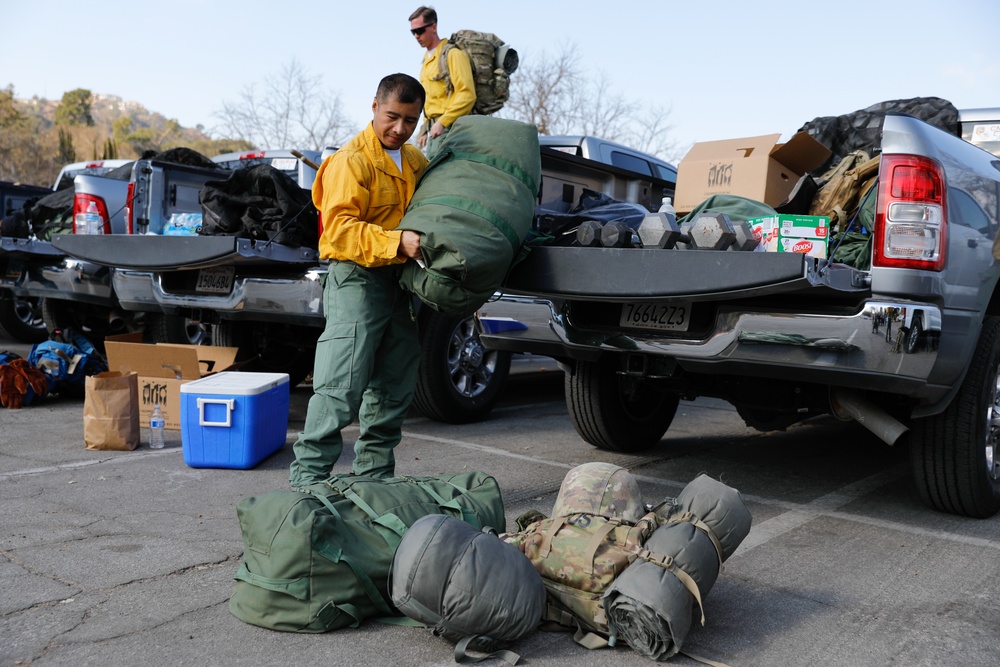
<point x="111" y="411"/>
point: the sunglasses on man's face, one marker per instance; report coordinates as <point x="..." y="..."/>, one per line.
<point x="419" y="31"/>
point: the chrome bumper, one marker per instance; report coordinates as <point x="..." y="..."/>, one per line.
<point x="67" y="280"/>
<point x="293" y="301"/>
<point x="833" y="349"/>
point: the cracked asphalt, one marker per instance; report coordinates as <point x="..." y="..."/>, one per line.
<point x="127" y="558"/>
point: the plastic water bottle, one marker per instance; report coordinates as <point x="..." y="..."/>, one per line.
<point x="90" y="222"/>
<point x="156" y="425"/>
<point x="668" y="208"/>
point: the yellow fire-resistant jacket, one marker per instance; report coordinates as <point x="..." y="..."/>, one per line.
<point x="439" y="106"/>
<point x="362" y="197"/>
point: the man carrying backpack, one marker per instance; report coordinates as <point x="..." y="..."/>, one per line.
<point x="451" y="90"/>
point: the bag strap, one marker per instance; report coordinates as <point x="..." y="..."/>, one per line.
<point x="298" y="588"/>
<point x="559" y="620"/>
<point x="667" y="563"/>
<point x="465" y="514"/>
<point x="335" y="554"/>
<point x="597" y="539"/>
<point x="689" y="517"/>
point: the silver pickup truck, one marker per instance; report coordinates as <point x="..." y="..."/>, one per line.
<point x="785" y="336"/>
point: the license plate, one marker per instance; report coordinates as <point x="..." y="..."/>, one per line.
<point x="215" y="280"/>
<point x="656" y="316"/>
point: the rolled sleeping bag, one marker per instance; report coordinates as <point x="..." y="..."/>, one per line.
<point x="649" y="606"/>
<point x="470" y="586"/>
<point x="720" y="507"/>
<point x="473" y="206"/>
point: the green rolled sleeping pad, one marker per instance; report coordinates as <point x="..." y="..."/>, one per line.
<point x="474" y="206"/>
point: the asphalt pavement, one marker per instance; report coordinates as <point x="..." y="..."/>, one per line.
<point x="127" y="558"/>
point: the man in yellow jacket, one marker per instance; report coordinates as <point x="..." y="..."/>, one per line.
<point x="448" y="97"/>
<point x="367" y="356"/>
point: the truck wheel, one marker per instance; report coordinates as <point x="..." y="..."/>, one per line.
<point x="459" y="381"/>
<point x="912" y="341"/>
<point x="954" y="456"/>
<point x="162" y="328"/>
<point x="616" y="412"/>
<point x="92" y="321"/>
<point x="270" y="347"/>
<point x="21" y="318"/>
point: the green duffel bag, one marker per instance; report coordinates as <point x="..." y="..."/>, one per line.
<point x="320" y="561"/>
<point x="473" y="205"/>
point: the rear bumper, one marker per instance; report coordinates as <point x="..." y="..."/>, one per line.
<point x="840" y="350"/>
<point x="65" y="279"/>
<point x="289" y="300"/>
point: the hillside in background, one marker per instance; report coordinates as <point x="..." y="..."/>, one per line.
<point x="36" y="140"/>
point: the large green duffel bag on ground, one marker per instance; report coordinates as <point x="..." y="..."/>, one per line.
<point x="474" y="206"/>
<point x="319" y="561"/>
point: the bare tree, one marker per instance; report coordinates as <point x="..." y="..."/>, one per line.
<point x="289" y="109"/>
<point x="555" y="96"/>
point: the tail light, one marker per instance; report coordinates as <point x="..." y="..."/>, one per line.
<point x="911" y="214"/>
<point x="253" y="155"/>
<point x="90" y="215"/>
<point x="129" y="196"/>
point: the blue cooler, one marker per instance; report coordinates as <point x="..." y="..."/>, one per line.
<point x="233" y="419"/>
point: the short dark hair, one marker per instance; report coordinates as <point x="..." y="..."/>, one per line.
<point x="426" y="13"/>
<point x="402" y="87"/>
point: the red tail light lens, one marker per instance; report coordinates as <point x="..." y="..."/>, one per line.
<point x="128" y="207"/>
<point x="911" y="214"/>
<point x="252" y="156"/>
<point x="86" y="205"/>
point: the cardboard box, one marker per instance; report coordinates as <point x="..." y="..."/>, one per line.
<point x="754" y="167"/>
<point x="808" y="234"/>
<point x="162" y="369"/>
<point x="233" y="419"/>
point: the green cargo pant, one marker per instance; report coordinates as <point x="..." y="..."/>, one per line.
<point x="366" y="368"/>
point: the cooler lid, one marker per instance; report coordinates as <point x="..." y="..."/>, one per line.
<point x="236" y="383"/>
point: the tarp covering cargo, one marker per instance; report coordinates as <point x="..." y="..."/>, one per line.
<point x="474" y="206"/>
<point x="649" y="606"/>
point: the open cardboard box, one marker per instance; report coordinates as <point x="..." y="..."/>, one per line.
<point x="754" y="167"/>
<point x="162" y="369"/>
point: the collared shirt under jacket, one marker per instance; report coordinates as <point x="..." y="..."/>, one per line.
<point x="362" y="197"/>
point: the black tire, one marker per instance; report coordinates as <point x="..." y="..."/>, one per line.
<point x="459" y="381"/>
<point x="268" y="347"/>
<point x="616" y="412"/>
<point x="954" y="456"/>
<point x="21" y="318"/>
<point x="912" y="341"/>
<point x="174" y="329"/>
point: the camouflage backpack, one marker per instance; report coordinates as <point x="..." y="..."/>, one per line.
<point x="843" y="187"/>
<point x="492" y="64"/>
<point x="597" y="529"/>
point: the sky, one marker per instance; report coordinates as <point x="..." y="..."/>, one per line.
<point x="724" y="69"/>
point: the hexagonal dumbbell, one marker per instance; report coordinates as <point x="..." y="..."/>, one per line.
<point x="658" y="230"/>
<point x="616" y="234"/>
<point x="712" y="231"/>
<point x="588" y="234"/>
<point x="744" y="236"/>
